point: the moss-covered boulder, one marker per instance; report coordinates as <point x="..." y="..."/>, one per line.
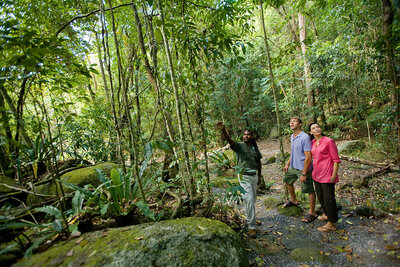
<point x="351" y="146"/>
<point x="299" y="242"/>
<point x="191" y="241"/>
<point x="265" y="245"/>
<point x="78" y="177"/>
<point x="272" y="202"/>
<point x="291" y="211"/>
<point x="4" y="180"/>
<point x="274" y="134"/>
<point x="310" y="255"/>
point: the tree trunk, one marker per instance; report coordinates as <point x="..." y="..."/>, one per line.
<point x="307" y="69"/>
<point x="108" y="66"/>
<point x="177" y="101"/>
<point x="388" y="16"/>
<point x="271" y="76"/>
<point x="55" y="174"/>
<point x="102" y="72"/>
<point x="5" y="159"/>
<point x="154" y="82"/>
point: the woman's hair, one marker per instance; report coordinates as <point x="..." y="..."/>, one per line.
<point x="309" y="130"/>
<point x="253" y="140"/>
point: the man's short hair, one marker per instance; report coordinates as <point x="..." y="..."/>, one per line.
<point x="297" y="118"/>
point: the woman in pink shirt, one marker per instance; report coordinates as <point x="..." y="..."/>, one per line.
<point x="325" y="168"/>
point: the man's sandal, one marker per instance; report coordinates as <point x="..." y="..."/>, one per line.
<point x="290" y="204"/>
<point x="309" y="218"/>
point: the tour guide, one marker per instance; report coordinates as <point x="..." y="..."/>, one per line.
<point x="249" y="157"/>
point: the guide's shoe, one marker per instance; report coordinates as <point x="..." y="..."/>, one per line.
<point x="252" y="233"/>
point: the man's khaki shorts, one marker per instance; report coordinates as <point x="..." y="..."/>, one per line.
<point x="293" y="174"/>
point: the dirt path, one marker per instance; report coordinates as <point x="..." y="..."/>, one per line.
<point x="284" y="240"/>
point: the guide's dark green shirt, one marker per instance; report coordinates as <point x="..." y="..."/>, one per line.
<point x="247" y="155"/>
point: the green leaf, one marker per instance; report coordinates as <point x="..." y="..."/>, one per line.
<point x="36" y="244"/>
<point x="18" y="225"/>
<point x="73" y="228"/>
<point x="77" y="201"/>
<point x="144" y="208"/>
<point x="58" y="225"/>
<point x="128" y="185"/>
<point x="8" y="248"/>
<point x="116" y="181"/>
<point x="104" y="208"/>
<point x="50" y="210"/>
<point x="80" y="189"/>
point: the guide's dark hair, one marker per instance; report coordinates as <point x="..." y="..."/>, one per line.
<point x="309" y="130"/>
<point x="253" y="140"/>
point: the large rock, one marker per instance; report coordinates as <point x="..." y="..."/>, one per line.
<point x="265" y="245"/>
<point x="7" y="181"/>
<point x="350" y="146"/>
<point x="274" y="134"/>
<point x="78" y="177"/>
<point x="191" y="241"/>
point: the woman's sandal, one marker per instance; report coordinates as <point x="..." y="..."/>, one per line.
<point x="323" y="218"/>
<point x="325" y="229"/>
<point x="309" y="218"/>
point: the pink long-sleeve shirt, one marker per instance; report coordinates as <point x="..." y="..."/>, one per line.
<point x="324" y="155"/>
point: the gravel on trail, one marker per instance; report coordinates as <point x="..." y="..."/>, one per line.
<point x="358" y="240"/>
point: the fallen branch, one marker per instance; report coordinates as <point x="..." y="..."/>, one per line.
<point x="368" y="176"/>
<point x="26" y="191"/>
<point x="363" y="180"/>
<point x="366" y="162"/>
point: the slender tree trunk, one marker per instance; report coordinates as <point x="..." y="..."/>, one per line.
<point x="101" y="63"/>
<point x="388" y="16"/>
<point x="201" y="116"/>
<point x="122" y="83"/>
<point x="307" y="69"/>
<point x="271" y="76"/>
<point x="112" y="100"/>
<point x="11" y="106"/>
<point x="55" y="174"/>
<point x="177" y="101"/>
<point x="184" y="97"/>
<point x="5" y="159"/>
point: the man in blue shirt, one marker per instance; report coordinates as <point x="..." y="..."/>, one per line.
<point x="299" y="166"/>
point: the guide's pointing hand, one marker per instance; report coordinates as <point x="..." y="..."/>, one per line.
<point x="220" y="125"/>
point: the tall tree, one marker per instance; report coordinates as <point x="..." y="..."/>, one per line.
<point x="388" y="16"/>
<point x="272" y="81"/>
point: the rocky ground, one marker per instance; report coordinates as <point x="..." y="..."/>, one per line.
<point x="370" y="239"/>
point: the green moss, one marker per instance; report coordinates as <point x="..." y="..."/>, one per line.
<point x="266" y="246"/>
<point x="78" y="177"/>
<point x="309" y="254"/>
<point x="271" y="160"/>
<point x="7" y="181"/>
<point x="222" y="181"/>
<point x="290" y="211"/>
<point x="183" y="242"/>
<point x="298" y="242"/>
<point x="271" y="202"/>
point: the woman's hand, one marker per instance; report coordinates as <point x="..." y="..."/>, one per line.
<point x="333" y="178"/>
